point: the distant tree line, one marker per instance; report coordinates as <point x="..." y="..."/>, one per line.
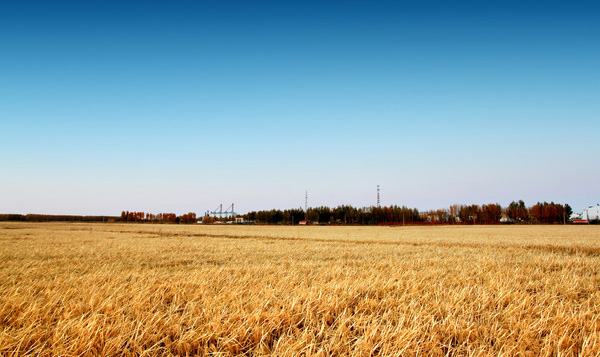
<point x="549" y="212"/>
<point x="144" y="217"/>
<point x="56" y="218"/>
<point x="341" y="215"/>
<point x="491" y="213"/>
<point x="125" y="217"/>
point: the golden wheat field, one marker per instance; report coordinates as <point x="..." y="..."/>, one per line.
<point x="114" y="289"/>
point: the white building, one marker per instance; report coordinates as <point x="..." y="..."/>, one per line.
<point x="219" y="213"/>
<point x="222" y="214"/>
<point x="592" y="214"/>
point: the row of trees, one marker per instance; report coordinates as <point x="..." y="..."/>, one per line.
<point x="126" y="216"/>
<point x="140" y="217"/>
<point x="55" y="218"/>
<point x="340" y="214"/>
<point x="549" y="212"/>
<point x="491" y="213"/>
<point x="516" y="212"/>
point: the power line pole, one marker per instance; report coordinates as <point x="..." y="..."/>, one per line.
<point x="378" y="202"/>
<point x="306" y="201"/>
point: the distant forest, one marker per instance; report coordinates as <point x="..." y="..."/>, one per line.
<point x="493" y="213"/>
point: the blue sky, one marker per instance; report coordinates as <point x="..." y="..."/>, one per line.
<point x="178" y="107"/>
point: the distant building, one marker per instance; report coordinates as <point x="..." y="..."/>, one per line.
<point x="219" y="213"/>
<point x="222" y="214"/>
<point x="575" y="217"/>
<point x="424" y="216"/>
<point x="589" y="215"/>
<point x="504" y="218"/>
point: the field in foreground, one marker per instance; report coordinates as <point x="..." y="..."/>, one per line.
<point x="73" y="289"/>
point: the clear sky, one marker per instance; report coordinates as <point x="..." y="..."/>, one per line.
<point x="178" y="107"/>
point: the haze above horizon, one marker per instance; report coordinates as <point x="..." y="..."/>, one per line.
<point x="179" y="107"/>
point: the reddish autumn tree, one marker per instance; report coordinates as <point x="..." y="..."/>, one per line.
<point x="517" y="211"/>
<point x="535" y="212"/>
<point x="188" y="218"/>
<point x="491" y="212"/>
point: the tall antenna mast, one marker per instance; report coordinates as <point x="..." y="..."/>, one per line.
<point x="378" y="202"/>
<point x="306" y="201"/>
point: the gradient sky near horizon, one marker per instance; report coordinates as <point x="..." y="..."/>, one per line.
<point x="181" y="106"/>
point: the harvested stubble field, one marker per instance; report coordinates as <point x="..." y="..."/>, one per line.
<point x="110" y="289"/>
